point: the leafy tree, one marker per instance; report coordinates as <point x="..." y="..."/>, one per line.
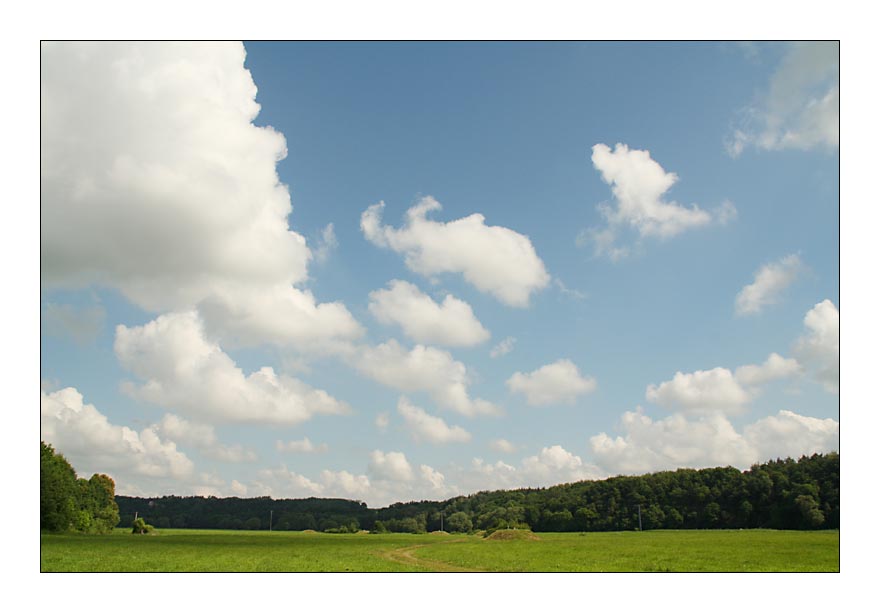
<point x="252" y="524"/>
<point x="58" y="491"/>
<point x="101" y="500"/>
<point x="459" y="522"/>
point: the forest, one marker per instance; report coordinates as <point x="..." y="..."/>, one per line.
<point x="785" y="494"/>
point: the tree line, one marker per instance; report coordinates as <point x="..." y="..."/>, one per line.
<point x="68" y="503"/>
<point x="779" y="494"/>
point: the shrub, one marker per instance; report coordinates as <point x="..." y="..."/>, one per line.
<point x="141" y="527"/>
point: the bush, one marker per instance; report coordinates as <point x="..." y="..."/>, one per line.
<point x="141" y="527"/>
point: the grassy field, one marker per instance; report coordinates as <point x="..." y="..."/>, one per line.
<point x="245" y="551"/>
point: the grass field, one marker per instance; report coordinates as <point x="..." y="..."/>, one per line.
<point x="246" y="551"/>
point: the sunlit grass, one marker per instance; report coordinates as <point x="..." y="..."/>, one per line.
<point x="247" y="551"/>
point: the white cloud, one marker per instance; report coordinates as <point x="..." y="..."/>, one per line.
<point x="556" y="465"/>
<point x="451" y="323"/>
<point x="390" y="466"/>
<point x="787" y="434"/>
<point x="556" y="383"/>
<point x="283" y="483"/>
<point x="480" y="476"/>
<point x="800" y="108"/>
<point x="93" y="445"/>
<point x="701" y="391"/>
<point x="238" y="489"/>
<point x="673" y="442"/>
<point x="551" y="466"/>
<point x="203" y="438"/>
<point x="429" y="428"/>
<point x="391" y="478"/>
<point x="422" y="369"/>
<point x="154" y="180"/>
<point x="247" y="316"/>
<point x="326" y="244"/>
<point x="80" y="324"/>
<point x="709" y="440"/>
<point x="435" y="480"/>
<point x="185" y="372"/>
<point x="494" y="259"/>
<point x="774" y="368"/>
<point x="502" y="348"/>
<point x="819" y="348"/>
<point x="638" y="184"/>
<point x="770" y="281"/>
<point x="502" y="446"/>
<point x="343" y="484"/>
<point x="382" y="421"/>
<point x="301" y="446"/>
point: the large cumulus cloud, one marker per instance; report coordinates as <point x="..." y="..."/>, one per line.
<point x="156" y="181"/>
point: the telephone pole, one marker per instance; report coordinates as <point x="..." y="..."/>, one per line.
<point x="270" y="519"/>
<point x="640" y="517"/>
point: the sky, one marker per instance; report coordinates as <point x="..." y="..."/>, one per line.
<point x="404" y="271"/>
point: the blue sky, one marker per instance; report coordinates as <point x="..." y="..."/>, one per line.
<point x="659" y="239"/>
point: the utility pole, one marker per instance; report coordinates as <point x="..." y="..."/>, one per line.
<point x="270" y="519"/>
<point x="640" y="517"/>
<point x="441" y="521"/>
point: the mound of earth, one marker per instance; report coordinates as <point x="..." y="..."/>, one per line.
<point x="439" y="532"/>
<point x="310" y="532"/>
<point x="513" y="535"/>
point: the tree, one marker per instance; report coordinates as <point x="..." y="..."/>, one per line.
<point x="459" y="522"/>
<point x="68" y="503"/>
<point x="102" y="503"/>
<point x="58" y="491"/>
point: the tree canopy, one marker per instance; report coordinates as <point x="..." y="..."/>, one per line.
<point x="781" y="494"/>
<point x="70" y="503"/>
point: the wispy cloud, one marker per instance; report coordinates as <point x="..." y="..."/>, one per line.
<point x="770" y="282"/>
<point x="799" y="108"/>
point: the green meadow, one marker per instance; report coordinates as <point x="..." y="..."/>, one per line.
<point x="248" y="551"/>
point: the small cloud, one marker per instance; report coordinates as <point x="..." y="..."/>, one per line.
<point x="494" y="259"/>
<point x="382" y="420"/>
<point x="301" y="446"/>
<point x="770" y="281"/>
<point x="775" y="367"/>
<point x="423" y="368"/>
<point x="566" y="291"/>
<point x="503" y="348"/>
<point x="556" y="383"/>
<point x="326" y="243"/>
<point x="639" y="185"/>
<point x="451" y="322"/>
<point x="502" y="446"/>
<point x="701" y="392"/>
<point x="203" y="438"/>
<point x="430" y="428"/>
<point x="725" y="213"/>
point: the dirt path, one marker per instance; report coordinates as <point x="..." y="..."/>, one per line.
<point x="405" y="556"/>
